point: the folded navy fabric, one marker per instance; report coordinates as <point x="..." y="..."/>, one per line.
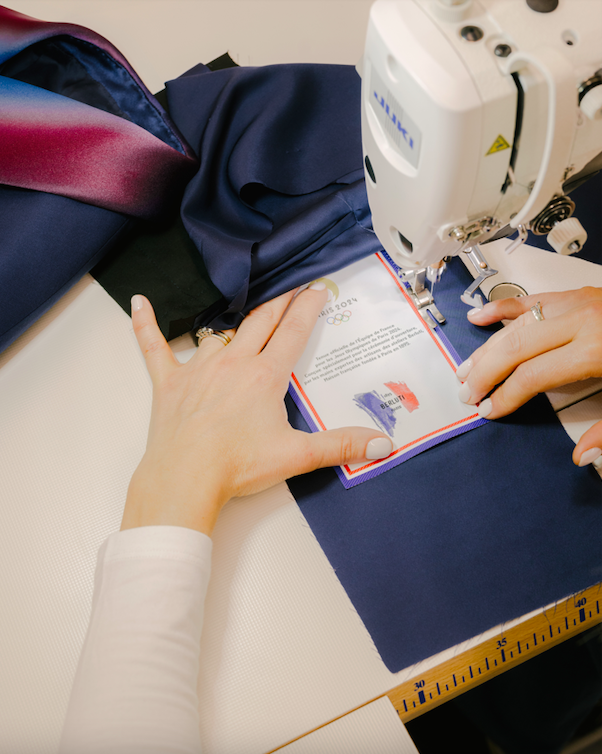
<point x="279" y="198"/>
<point x="476" y="531"/>
<point x="48" y="243"/>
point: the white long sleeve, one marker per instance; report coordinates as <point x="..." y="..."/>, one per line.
<point x="135" y="688"/>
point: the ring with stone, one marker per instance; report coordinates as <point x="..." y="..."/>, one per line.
<point x="209" y="332"/>
<point x="537" y="313"/>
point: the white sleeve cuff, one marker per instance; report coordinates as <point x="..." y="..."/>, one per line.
<point x="135" y="688"/>
<point x="172" y="542"/>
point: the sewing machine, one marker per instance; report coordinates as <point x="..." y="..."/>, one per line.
<point x="478" y="119"/>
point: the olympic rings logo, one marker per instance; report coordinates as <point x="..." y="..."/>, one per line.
<point x="339" y="318"/>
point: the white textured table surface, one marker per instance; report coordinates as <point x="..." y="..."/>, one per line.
<point x="283" y="649"/>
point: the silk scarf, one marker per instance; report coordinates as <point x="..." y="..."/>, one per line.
<point x="85" y="147"/>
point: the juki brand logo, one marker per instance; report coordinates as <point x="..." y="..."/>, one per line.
<point x="394" y="119"/>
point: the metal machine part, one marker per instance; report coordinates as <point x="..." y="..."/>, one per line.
<point x="565" y="234"/>
<point x="422" y="297"/>
<point x="506" y="290"/>
<point x="523" y="234"/>
<point x="557" y="210"/>
<point x="483" y="270"/>
<point x="475" y="229"/>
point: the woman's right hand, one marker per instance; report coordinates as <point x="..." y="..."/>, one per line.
<point x="529" y="356"/>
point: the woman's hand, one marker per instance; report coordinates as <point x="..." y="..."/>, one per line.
<point x="218" y="425"/>
<point x="530" y="356"/>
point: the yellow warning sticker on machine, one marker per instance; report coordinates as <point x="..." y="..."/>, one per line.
<point x="498" y="145"/>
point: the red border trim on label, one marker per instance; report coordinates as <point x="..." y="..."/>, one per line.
<point x="414" y="442"/>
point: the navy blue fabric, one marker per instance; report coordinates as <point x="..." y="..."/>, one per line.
<point x="48" y="243"/>
<point x="478" y="530"/>
<point x="279" y="199"/>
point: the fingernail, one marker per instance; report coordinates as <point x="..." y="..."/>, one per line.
<point x="137" y="302"/>
<point x="472" y="312"/>
<point x="380" y="447"/>
<point x="319" y="285"/>
<point x="485" y="408"/>
<point x="464" y="392"/>
<point x="463" y="370"/>
<point x="589" y="456"/>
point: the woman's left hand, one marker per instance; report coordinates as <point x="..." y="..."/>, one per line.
<point x="218" y="425"/>
<point x="530" y="356"/>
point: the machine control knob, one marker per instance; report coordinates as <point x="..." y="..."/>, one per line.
<point x="591" y="103"/>
<point x="543" y="6"/>
<point x="568" y="236"/>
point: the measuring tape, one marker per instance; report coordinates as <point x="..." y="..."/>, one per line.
<point x="493" y="656"/>
<point x="498" y="654"/>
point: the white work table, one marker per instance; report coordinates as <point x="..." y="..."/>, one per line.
<point x="283" y="650"/>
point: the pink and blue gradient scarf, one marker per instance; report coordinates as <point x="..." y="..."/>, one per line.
<point x="85" y="148"/>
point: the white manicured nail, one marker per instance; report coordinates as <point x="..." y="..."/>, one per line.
<point x="463" y="370"/>
<point x="485" y="408"/>
<point x="380" y="447"/>
<point x="472" y="312"/>
<point x="464" y="392"/>
<point x="137" y="302"/>
<point x="317" y="286"/>
<point x="589" y="456"/>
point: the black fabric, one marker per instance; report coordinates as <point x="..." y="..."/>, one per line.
<point x="160" y="261"/>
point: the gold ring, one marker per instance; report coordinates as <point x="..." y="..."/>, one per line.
<point x="208" y="332"/>
<point x="537" y="313"/>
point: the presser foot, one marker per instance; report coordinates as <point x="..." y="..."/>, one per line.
<point x="483" y="271"/>
<point x="422" y="297"/>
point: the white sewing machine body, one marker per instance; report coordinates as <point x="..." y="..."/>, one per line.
<point x="478" y="116"/>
